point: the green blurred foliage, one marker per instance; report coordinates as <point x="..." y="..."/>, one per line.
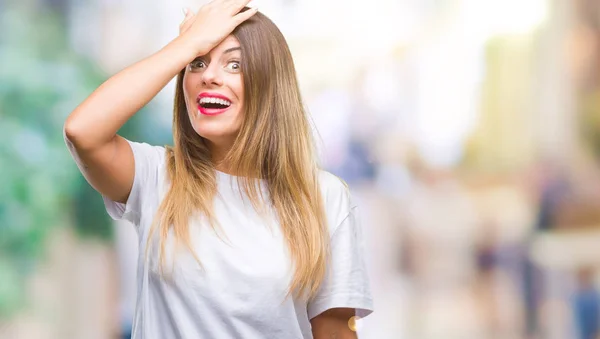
<point x="41" y="81"/>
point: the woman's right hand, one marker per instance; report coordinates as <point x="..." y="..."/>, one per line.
<point x="213" y="23"/>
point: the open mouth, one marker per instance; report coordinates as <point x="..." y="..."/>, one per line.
<point x="213" y="103"/>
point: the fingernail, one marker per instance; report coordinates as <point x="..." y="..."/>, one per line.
<point x="185" y="11"/>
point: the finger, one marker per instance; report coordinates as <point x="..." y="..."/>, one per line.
<point x="241" y="3"/>
<point x="186" y="20"/>
<point x="217" y="3"/>
<point x="236" y="5"/>
<point x="183" y="23"/>
<point x="228" y="2"/>
<point x="185" y="16"/>
<point x="245" y="15"/>
<point x="184" y="27"/>
<point x="188" y="13"/>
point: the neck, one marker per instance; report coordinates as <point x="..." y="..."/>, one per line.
<point x="218" y="152"/>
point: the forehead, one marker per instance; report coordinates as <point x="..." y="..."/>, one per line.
<point x="229" y="42"/>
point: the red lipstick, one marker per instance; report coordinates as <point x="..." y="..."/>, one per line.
<point x="212" y="103"/>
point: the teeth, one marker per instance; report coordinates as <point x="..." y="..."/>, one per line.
<point x="208" y="100"/>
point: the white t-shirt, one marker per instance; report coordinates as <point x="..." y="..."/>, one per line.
<point x="239" y="291"/>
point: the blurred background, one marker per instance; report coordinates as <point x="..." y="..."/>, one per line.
<point x="469" y="131"/>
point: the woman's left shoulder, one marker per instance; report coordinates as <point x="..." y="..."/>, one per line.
<point x="332" y="185"/>
<point x="337" y="198"/>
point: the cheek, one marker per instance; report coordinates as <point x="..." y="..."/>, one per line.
<point x="190" y="89"/>
<point x="188" y="83"/>
<point x="237" y="86"/>
<point x="239" y="89"/>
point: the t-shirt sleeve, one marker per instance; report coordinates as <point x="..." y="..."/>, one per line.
<point x="147" y="161"/>
<point x="346" y="283"/>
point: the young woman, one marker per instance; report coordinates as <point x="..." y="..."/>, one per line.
<point x="241" y="235"/>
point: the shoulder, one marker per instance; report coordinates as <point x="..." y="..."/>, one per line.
<point x="146" y="152"/>
<point x="337" y="198"/>
<point x="150" y="164"/>
<point x="333" y="188"/>
<point x="149" y="159"/>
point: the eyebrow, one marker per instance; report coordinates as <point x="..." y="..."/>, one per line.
<point x="229" y="50"/>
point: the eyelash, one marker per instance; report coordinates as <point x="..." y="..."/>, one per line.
<point x="196" y="61"/>
<point x="194" y="64"/>
<point x="235" y="61"/>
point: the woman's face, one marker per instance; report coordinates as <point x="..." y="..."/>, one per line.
<point x="214" y="92"/>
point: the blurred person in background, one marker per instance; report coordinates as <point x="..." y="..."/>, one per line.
<point x="586" y="305"/>
<point x="274" y="247"/>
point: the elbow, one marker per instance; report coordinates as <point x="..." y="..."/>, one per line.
<point x="69" y="130"/>
<point x="72" y="133"/>
<point x="81" y="136"/>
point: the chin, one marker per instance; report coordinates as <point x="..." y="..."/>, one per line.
<point x="215" y="131"/>
<point x="214" y="135"/>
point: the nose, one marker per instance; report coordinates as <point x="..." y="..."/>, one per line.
<point x="211" y="76"/>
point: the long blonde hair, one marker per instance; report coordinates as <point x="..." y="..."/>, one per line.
<point x="274" y="143"/>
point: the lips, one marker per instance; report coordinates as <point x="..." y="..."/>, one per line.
<point x="212" y="103"/>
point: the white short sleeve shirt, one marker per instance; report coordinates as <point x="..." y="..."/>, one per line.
<point x="239" y="292"/>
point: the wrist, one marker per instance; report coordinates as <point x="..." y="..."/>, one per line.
<point x="181" y="51"/>
<point x="189" y="46"/>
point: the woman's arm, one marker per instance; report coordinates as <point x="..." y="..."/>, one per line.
<point x="91" y="129"/>
<point x="334" y="324"/>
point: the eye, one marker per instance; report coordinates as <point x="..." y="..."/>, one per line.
<point x="197" y="64"/>
<point x="234" y="66"/>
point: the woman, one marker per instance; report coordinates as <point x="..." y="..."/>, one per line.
<point x="241" y="235"/>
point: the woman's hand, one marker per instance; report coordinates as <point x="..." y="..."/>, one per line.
<point x="213" y="23"/>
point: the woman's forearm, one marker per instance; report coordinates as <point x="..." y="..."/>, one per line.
<point x="96" y="120"/>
